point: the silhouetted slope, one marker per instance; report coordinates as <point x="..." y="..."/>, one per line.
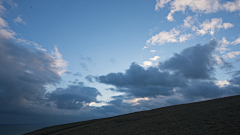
<point x="217" y="116"/>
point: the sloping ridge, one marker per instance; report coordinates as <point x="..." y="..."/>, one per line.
<point x="217" y="116"/>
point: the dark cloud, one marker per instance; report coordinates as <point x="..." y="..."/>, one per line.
<point x="194" y="62"/>
<point x="73" y="97"/>
<point x="201" y="90"/>
<point x="89" y="78"/>
<point x="77" y="74"/>
<point x="23" y="74"/>
<point x="226" y="65"/>
<point x="236" y="78"/>
<point x="140" y="82"/>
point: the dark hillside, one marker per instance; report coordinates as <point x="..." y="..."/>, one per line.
<point x="217" y="116"/>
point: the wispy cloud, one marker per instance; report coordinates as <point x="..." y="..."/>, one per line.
<point x="19" y="20"/>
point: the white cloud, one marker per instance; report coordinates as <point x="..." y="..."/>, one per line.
<point x="232" y="6"/>
<point x="3" y="23"/>
<point x="222" y="83"/>
<point x="155" y="58"/>
<point x="231" y="54"/>
<point x="161" y="4"/>
<point x="8" y="34"/>
<point x="144" y="47"/>
<point x="237" y="41"/>
<point x="164" y="37"/>
<point x="224" y="43"/>
<point x="59" y="62"/>
<point x="198" y="6"/>
<point x="152" y="51"/>
<point x="19" y="20"/>
<point x="147" y="63"/>
<point x="210" y="27"/>
<point x="26" y="42"/>
<point x="188" y="22"/>
<point x="185" y="37"/>
<point x="227" y="25"/>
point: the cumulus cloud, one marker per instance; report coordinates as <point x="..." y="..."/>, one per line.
<point x="193" y="62"/>
<point x="164" y="37"/>
<point x="140" y="82"/>
<point x="19" y="20"/>
<point x="73" y="97"/>
<point x="24" y="74"/>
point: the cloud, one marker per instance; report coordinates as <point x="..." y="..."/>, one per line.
<point x="77" y="74"/>
<point x="161" y="4"/>
<point x="193" y="62"/>
<point x="232" y="6"/>
<point x="89" y="78"/>
<point x="198" y="90"/>
<point x="222" y="83"/>
<point x="237" y="41"/>
<point x="185" y="37"/>
<point x="27" y="42"/>
<point x="188" y="22"/>
<point x="210" y="27"/>
<point x="227" y="25"/>
<point x="155" y="58"/>
<point x="24" y="73"/>
<point x="88" y="59"/>
<point x="19" y="20"/>
<point x="152" y="51"/>
<point x="59" y="62"/>
<point x="164" y="37"/>
<point x="84" y="66"/>
<point x="73" y="97"/>
<point x="224" y="43"/>
<point x="140" y="82"/>
<point x="198" y="6"/>
<point x="147" y="63"/>
<point x="231" y="55"/>
<point x="3" y="23"/>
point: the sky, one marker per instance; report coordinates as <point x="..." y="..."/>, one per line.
<point x="68" y="61"/>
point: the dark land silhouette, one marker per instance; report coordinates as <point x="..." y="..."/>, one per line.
<point x="217" y="116"/>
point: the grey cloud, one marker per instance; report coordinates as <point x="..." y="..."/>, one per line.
<point x="78" y="74"/>
<point x="73" y="97"/>
<point x="23" y="74"/>
<point x="140" y="82"/>
<point x="89" y="78"/>
<point x="201" y="90"/>
<point x="194" y="62"/>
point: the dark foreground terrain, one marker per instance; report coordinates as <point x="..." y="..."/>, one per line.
<point x="218" y="116"/>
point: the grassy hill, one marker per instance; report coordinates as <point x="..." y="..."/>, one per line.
<point x="217" y="116"/>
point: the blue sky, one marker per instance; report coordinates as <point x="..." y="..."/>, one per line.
<point x="82" y="60"/>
